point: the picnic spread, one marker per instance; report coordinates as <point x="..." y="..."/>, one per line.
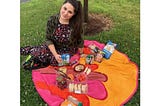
<point x="103" y="75"/>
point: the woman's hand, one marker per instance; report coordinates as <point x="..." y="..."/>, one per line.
<point x="58" y="58"/>
<point x="80" y="50"/>
<point x="55" y="54"/>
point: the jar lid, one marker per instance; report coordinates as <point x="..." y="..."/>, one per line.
<point x="80" y="104"/>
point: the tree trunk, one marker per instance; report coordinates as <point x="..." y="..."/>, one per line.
<point x="85" y="10"/>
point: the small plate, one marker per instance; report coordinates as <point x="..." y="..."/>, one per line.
<point x="79" y="68"/>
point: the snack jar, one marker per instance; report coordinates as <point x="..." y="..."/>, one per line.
<point x="89" y="59"/>
<point x="65" y="59"/>
<point x="99" y="56"/>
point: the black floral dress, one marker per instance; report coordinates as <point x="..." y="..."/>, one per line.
<point x="42" y="53"/>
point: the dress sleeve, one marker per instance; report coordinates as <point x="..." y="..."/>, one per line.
<point x="49" y="30"/>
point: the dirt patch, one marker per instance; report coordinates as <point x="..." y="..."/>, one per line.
<point x="97" y="23"/>
<point x="22" y="1"/>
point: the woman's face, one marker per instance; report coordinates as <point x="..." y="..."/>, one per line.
<point x="67" y="11"/>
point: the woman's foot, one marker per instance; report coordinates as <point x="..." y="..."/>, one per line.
<point x="32" y="63"/>
<point x="28" y="63"/>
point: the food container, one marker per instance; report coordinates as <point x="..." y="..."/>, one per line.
<point x="89" y="59"/>
<point x="79" y="88"/>
<point x="79" y="68"/>
<point x="65" y="60"/>
<point x="99" y="56"/>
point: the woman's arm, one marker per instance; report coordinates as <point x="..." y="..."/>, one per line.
<point x="53" y="51"/>
<point x="49" y="37"/>
<point x="49" y="30"/>
<point x="81" y="45"/>
<point x="80" y="50"/>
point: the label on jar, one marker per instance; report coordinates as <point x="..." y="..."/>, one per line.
<point x="65" y="59"/>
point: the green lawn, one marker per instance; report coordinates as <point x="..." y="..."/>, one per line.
<point x="125" y="15"/>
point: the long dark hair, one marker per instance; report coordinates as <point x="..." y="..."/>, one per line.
<point x="76" y="21"/>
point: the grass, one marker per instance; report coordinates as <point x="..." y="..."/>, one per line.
<point x="125" y="32"/>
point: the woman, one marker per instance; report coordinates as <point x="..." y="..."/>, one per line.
<point x="63" y="35"/>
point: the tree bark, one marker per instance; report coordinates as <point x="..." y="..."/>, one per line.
<point x="85" y="10"/>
